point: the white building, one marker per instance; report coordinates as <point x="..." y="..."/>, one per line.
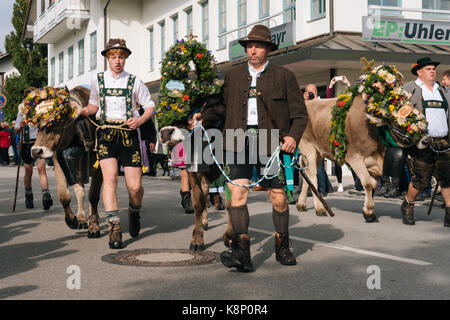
<point x="318" y="38"/>
<point x="6" y="69"/>
<point x="324" y="38"/>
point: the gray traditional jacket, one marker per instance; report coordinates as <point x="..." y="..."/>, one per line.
<point x="416" y="99"/>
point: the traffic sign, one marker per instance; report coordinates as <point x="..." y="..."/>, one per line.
<point x="2" y="100"/>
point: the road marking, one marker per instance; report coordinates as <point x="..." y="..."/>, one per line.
<point x="350" y="249"/>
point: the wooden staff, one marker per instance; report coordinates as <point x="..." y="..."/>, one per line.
<point x="432" y="198"/>
<point x="18" y="169"/>
<point x="318" y="195"/>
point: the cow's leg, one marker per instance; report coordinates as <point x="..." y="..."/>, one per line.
<point x="199" y="204"/>
<point x="94" y="198"/>
<point x="369" y="183"/>
<point x="205" y="190"/>
<point x="320" y="210"/>
<point x="81" y="215"/>
<point x="64" y="196"/>
<point x="310" y="154"/>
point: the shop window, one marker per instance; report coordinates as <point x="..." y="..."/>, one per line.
<point x="436" y="5"/>
<point x="385" y="3"/>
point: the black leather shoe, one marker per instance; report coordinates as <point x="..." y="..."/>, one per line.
<point x="282" y="252"/>
<point x="393" y="193"/>
<point x="47" y="201"/>
<point x="239" y="257"/>
<point x="29" y="201"/>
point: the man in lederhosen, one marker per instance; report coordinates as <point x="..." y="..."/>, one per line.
<point x="259" y="97"/>
<point x="29" y="137"/>
<point x="429" y="98"/>
<point x="115" y="96"/>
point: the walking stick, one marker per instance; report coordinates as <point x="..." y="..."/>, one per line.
<point x="18" y="169"/>
<point x="432" y="198"/>
<point x="318" y="195"/>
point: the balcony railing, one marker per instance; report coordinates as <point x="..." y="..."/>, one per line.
<point x="60" y="18"/>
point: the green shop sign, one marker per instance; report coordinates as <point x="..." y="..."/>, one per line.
<point x="383" y="29"/>
<point x="283" y="35"/>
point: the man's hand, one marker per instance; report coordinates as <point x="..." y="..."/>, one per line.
<point x="134" y="123"/>
<point x="289" y="144"/>
<point x="192" y="122"/>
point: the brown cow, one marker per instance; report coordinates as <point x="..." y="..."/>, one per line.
<point x="64" y="142"/>
<point x="213" y="115"/>
<point x="365" y="150"/>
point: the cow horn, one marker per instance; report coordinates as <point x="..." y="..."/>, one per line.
<point x="78" y="99"/>
<point x="374" y="120"/>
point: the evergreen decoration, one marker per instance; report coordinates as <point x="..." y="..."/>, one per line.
<point x="180" y="93"/>
<point x="382" y="92"/>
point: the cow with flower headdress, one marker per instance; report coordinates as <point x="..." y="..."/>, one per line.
<point x="357" y="127"/>
<point x="67" y="138"/>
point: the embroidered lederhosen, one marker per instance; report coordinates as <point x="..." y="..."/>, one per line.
<point x="116" y="140"/>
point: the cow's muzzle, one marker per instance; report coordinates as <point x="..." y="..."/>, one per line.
<point x="41" y="152"/>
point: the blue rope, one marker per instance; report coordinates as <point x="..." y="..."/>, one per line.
<point x="267" y="167"/>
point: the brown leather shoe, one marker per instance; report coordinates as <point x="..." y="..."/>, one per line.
<point x="239" y="257"/>
<point x="115" y="235"/>
<point x="282" y="252"/>
<point x="407" y="210"/>
<point x="134" y="223"/>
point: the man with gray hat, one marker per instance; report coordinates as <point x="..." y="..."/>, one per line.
<point x="429" y="98"/>
<point x="258" y="96"/>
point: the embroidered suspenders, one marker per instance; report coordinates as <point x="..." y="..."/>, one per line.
<point x="115" y="92"/>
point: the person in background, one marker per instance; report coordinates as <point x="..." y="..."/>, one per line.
<point x="14" y="137"/>
<point x="323" y="182"/>
<point x="5" y="143"/>
<point x="446" y="80"/>
<point x="29" y="137"/>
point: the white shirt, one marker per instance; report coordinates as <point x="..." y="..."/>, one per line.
<point x="436" y="117"/>
<point x="33" y="129"/>
<point x="115" y="107"/>
<point x="252" y="110"/>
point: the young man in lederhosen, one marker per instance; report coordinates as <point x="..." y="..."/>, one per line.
<point x="115" y="97"/>
<point x="429" y="98"/>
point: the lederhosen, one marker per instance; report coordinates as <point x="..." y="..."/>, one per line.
<point x="27" y="143"/>
<point x="236" y="170"/>
<point x="434" y="160"/>
<point x="116" y="140"/>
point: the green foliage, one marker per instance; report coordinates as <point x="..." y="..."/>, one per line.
<point x="29" y="58"/>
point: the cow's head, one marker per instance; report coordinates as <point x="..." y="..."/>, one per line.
<point x="397" y="132"/>
<point x="171" y="135"/>
<point x="59" y="135"/>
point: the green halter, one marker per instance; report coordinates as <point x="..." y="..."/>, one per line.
<point x="115" y="92"/>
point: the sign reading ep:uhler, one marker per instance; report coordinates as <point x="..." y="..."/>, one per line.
<point x="384" y="29"/>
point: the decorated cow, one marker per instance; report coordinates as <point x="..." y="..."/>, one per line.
<point x="356" y="127"/>
<point x="68" y="138"/>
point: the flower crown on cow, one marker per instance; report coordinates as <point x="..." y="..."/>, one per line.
<point x="45" y="107"/>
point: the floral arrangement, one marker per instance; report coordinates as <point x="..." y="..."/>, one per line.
<point x="382" y="92"/>
<point x="179" y="92"/>
<point x="45" y="107"/>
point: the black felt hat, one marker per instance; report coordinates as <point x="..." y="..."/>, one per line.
<point x="422" y="63"/>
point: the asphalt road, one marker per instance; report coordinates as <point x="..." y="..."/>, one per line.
<point x="338" y="258"/>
